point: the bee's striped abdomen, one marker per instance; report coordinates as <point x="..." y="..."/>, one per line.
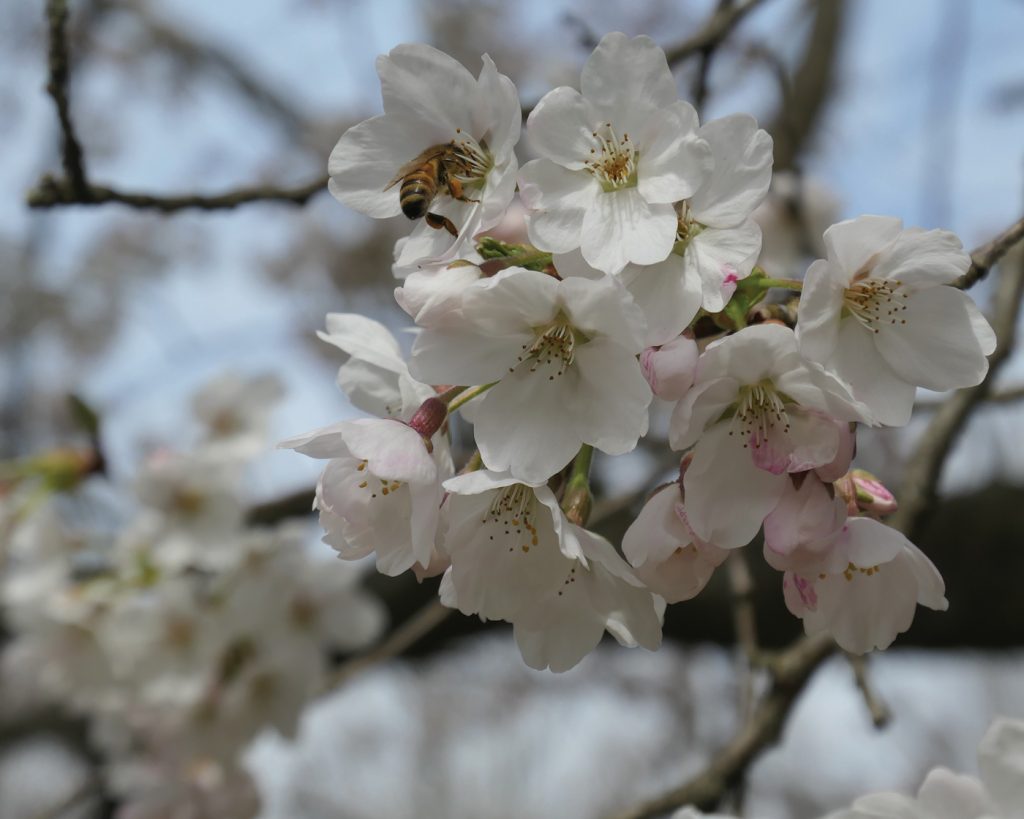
<point x="419" y="188"/>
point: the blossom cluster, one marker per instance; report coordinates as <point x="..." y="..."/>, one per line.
<point x="554" y="302"/>
<point x="187" y="632"/>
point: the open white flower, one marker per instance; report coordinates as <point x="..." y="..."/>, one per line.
<point x="380" y="491"/>
<point x="756" y="411"/>
<point x="564" y="356"/>
<point x="667" y="556"/>
<point x="615" y="157"/>
<point x="515" y="557"/>
<point x="376" y="378"/>
<point x="433" y="107"/>
<point x="854" y="578"/>
<point x="716" y="241"/>
<point x="880" y="313"/>
<point x="381" y="488"/>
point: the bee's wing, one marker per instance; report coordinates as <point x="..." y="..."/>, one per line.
<point x="412" y="165"/>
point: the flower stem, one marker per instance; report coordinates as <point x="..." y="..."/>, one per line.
<point x="467" y="394"/>
<point x="785" y="284"/>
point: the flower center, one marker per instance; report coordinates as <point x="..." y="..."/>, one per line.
<point x="512" y="510"/>
<point x="686" y="228"/>
<point x="381" y="487"/>
<point x="470" y="161"/>
<point x="554" y="348"/>
<point x="873" y="302"/>
<point x="612" y="160"/>
<point x="760" y="410"/>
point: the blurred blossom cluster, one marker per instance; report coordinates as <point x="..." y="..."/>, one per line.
<point x="188" y="632"/>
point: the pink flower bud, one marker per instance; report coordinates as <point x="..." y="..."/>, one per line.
<point x="870" y="494"/>
<point x="671" y="368"/>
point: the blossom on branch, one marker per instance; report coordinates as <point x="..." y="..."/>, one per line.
<point x="457" y="133"/>
<point x="615" y="156"/>
<point x="881" y="313"/>
<point x="563" y="356"/>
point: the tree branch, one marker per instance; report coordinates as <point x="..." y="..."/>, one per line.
<point x="721" y="24"/>
<point x="57" y="88"/>
<point x="985" y="257"/>
<point x="924" y="469"/>
<point x="75" y="188"/>
<point x="56" y="192"/>
<point x="790" y="672"/>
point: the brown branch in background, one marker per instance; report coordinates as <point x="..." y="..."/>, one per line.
<point x="75" y="188"/>
<point x="741" y="586"/>
<point x="924" y="468"/>
<point x="721" y="24"/>
<point x="879" y="711"/>
<point x="57" y="87"/>
<point x="790" y="672"/>
<point x="699" y="92"/>
<point x="54" y="192"/>
<point x="985" y="257"/>
<point x="810" y="85"/>
<point x="397" y="642"/>
<point x="1007" y="396"/>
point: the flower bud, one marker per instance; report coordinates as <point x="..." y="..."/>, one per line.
<point x="671" y="368"/>
<point x="866" y="494"/>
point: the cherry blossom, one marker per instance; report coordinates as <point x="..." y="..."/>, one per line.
<point x="380" y="491"/>
<point x="514" y="556"/>
<point x="563" y="354"/>
<point x="665" y="552"/>
<point x="881" y="313"/>
<point x="615" y="156"/>
<point x="855" y="578"/>
<point x="756" y="411"/>
<point x="432" y="101"/>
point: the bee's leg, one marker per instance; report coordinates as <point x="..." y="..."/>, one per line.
<point x="436" y="221"/>
<point x="456" y="190"/>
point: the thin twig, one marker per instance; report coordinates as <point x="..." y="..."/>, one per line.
<point x="57" y="88"/>
<point x="741" y="585"/>
<point x="53" y="192"/>
<point x="984" y="258"/>
<point x="924" y="468"/>
<point x="75" y="189"/>
<point x="790" y="672"/>
<point x="722" y="22"/>
<point x="1011" y="395"/>
<point x="398" y="641"/>
<point x="879" y="711"/>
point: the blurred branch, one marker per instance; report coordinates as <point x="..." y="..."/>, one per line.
<point x="412" y="630"/>
<point x="924" y="469"/>
<point x="294" y="505"/>
<point x="790" y="672"/>
<point x="985" y="257"/>
<point x="55" y="192"/>
<point x="1008" y="396"/>
<point x="878" y="710"/>
<point x="192" y="52"/>
<point x="75" y="188"/>
<point x="811" y="83"/>
<point x="726" y="17"/>
<point x="57" y="88"/>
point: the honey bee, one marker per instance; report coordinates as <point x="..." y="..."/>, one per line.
<point x="440" y="166"/>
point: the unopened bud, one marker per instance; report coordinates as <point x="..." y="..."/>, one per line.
<point x="429" y="417"/>
<point x="577" y="504"/>
<point x="866" y="494"/>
